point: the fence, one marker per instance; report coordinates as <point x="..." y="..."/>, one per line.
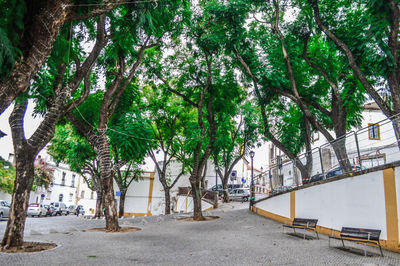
<point x="376" y="144"/>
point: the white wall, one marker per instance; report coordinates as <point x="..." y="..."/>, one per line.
<point x="351" y="202"/>
<point x="357" y="201"/>
<point x="278" y="205"/>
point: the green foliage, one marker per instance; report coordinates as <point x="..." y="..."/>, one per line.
<point x="43" y="175"/>
<point x="131" y="134"/>
<point x="11" y="25"/>
<point x="7" y="176"/>
<point x="69" y="147"/>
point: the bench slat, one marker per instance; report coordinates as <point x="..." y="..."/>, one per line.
<point x="305" y="222"/>
<point x="360" y="233"/>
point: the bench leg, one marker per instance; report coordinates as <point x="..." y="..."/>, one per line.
<point x="317" y="234"/>
<point x="329" y="242"/>
<point x="380" y="250"/>
<point x="294" y="230"/>
<point x="343" y="243"/>
<point x="365" y="249"/>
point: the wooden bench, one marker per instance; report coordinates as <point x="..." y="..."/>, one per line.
<point x="359" y="235"/>
<point x="303" y="223"/>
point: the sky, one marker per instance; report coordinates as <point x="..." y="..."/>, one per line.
<point x="31" y="123"/>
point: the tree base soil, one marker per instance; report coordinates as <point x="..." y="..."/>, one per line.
<point x="121" y="230"/>
<point x="191" y="219"/>
<point x="29" y="247"/>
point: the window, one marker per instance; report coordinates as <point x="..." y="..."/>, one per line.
<point x="82" y="194"/>
<point x="73" y="181"/>
<point x="91" y="195"/>
<point x="60" y="197"/>
<point x="71" y="196"/>
<point x="374" y="132"/>
<point x="63" y="179"/>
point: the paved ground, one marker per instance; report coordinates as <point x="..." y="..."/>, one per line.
<point x="237" y="238"/>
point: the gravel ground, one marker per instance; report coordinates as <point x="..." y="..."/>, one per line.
<point x="239" y="237"/>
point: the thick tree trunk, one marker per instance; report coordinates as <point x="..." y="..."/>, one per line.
<point x="196" y="192"/>
<point x="122" y="203"/>
<point x="396" y="128"/>
<point x="99" y="204"/>
<point x="37" y="45"/>
<point x="14" y="233"/>
<point x="167" y="201"/>
<point x="106" y="174"/>
<point x="339" y="146"/>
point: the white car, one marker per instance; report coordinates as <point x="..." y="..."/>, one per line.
<point x="242" y="194"/>
<point x="4" y="209"/>
<point x="60" y="208"/>
<point x="36" y="209"/>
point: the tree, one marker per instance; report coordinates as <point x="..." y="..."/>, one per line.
<point x="234" y="139"/>
<point x="372" y="53"/>
<point x="206" y="82"/>
<point x="62" y="92"/>
<point x="69" y="147"/>
<point x="28" y="32"/>
<point x="270" y="58"/>
<point x="134" y="31"/>
<point x="169" y="117"/>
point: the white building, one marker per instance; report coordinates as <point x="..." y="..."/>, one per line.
<point x="374" y="143"/>
<point x="63" y="187"/>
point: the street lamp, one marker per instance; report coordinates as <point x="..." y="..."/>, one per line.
<point x="252" y="153"/>
<point x="216" y="178"/>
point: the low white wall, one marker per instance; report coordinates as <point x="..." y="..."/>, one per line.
<point x="352" y="202"/>
<point x="279" y="205"/>
<point x="362" y="201"/>
<point x="185" y="204"/>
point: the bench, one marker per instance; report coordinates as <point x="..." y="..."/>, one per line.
<point x="360" y="235"/>
<point x="302" y="223"/>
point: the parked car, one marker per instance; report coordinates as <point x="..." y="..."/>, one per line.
<point x="220" y="189"/>
<point x="240" y="194"/>
<point x="36" y="209"/>
<point x="338" y="171"/>
<point x="60" y="208"/>
<point x="4" y="209"/>
<point x="50" y="210"/>
<point x="72" y="209"/>
<point x="317" y="177"/>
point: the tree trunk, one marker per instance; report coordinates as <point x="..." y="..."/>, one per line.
<point x="99" y="204"/>
<point x="122" y="203"/>
<point x="339" y="146"/>
<point x="167" y="201"/>
<point x="106" y="174"/>
<point x="37" y="45"/>
<point x="396" y="128"/>
<point x="196" y="192"/>
<point x="14" y="233"/>
<point x="226" y="192"/>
